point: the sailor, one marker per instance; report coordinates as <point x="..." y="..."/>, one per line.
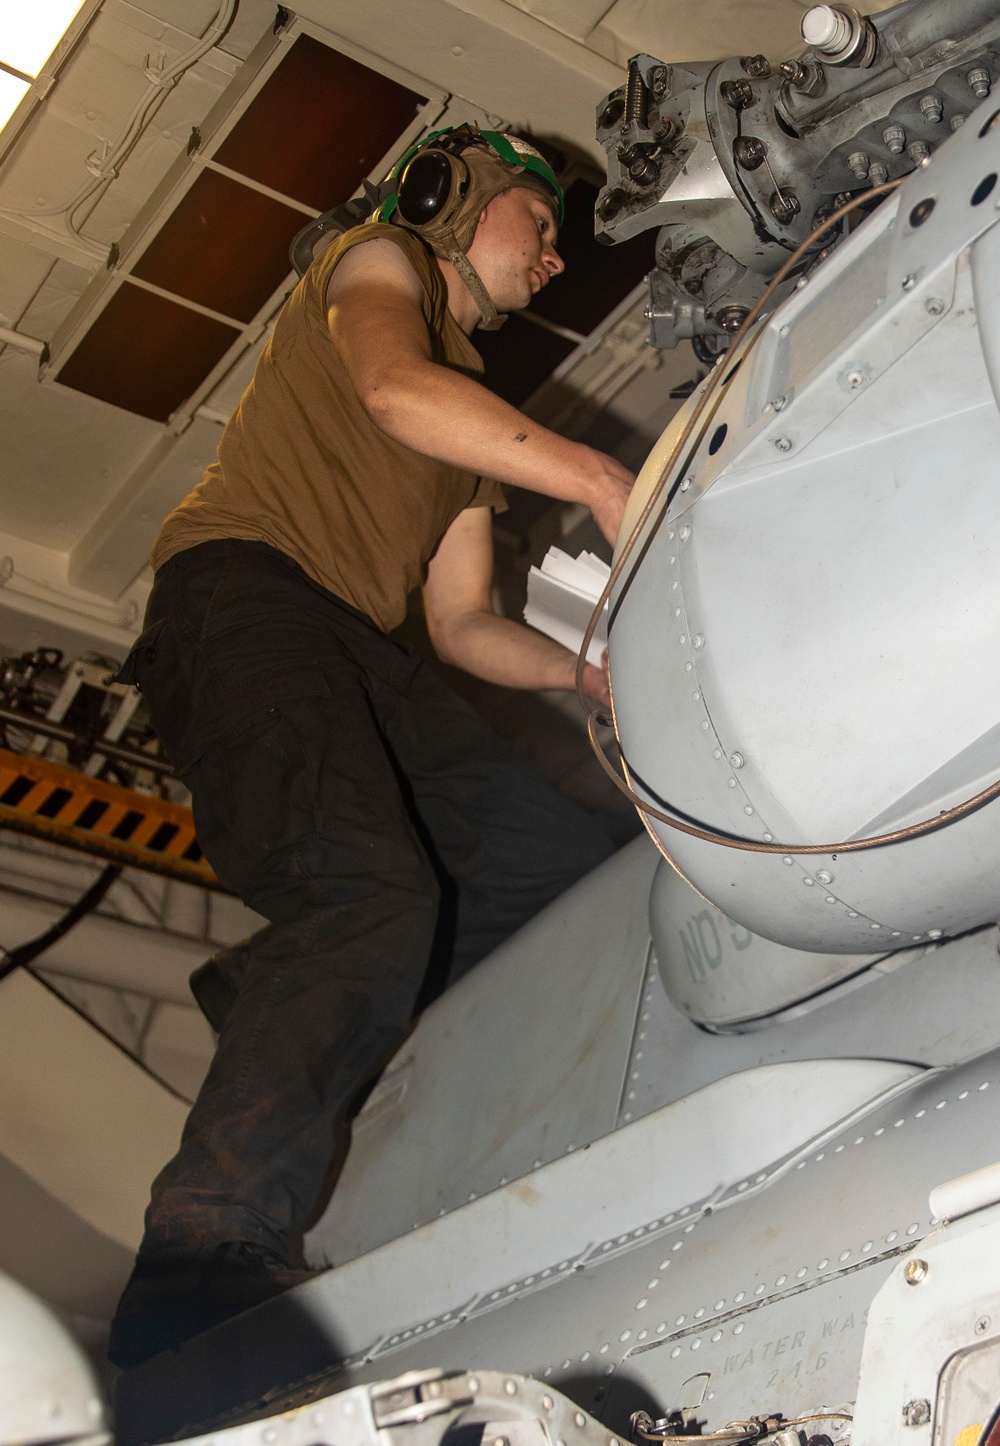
<point x="339" y="788"/>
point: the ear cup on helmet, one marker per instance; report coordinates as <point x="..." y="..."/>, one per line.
<point x="430" y="183"/>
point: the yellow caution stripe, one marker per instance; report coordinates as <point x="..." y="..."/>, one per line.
<point x="49" y="801"/>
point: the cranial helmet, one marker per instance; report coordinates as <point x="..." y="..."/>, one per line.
<point x="440" y="188"/>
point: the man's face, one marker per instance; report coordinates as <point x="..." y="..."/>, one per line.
<point x="514" y="249"/>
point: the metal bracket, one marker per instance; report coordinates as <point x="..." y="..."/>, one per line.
<point x="427" y="1405"/>
<point x="413" y="1397"/>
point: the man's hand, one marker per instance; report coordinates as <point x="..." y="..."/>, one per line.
<point x="377" y="324"/>
<point x="610" y="495"/>
<point x="595" y="680"/>
<point x="466" y="631"/>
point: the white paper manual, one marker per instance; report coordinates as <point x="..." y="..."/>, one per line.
<point x="562" y="595"/>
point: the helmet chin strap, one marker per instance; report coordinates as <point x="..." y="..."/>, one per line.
<point x="491" y="319"/>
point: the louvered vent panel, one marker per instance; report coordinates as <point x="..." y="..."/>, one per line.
<point x="211" y="249"/>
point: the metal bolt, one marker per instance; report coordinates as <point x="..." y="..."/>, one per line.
<point x="982" y="1325"/>
<point x="580" y="1419"/>
<point x="919" y="152"/>
<point x="547" y="1403"/>
<point x="910" y="281"/>
<point x="894" y="138"/>
<point x="931" y="108"/>
<point x="731" y="318"/>
<point x="473" y="1384"/>
<point x="783" y="444"/>
<point x="736" y="759"/>
<point x="878" y="174"/>
<point x="824" y="876"/>
<point x="749" y="152"/>
<point x="978" y="81"/>
<point x="914" y="1271"/>
<point x="737" y="93"/>
<point x="854" y="379"/>
<point x="916" y="1413"/>
<point x="686" y="484"/>
<point x="784" y="205"/>
<point x="510" y="1387"/>
<point x="857" y="164"/>
<point x="780" y="403"/>
<point x="957" y="122"/>
<point x="644" y="171"/>
<point x="659" y="81"/>
<point x="756" y="65"/>
<point x="793" y="71"/>
<point x="934" y="305"/>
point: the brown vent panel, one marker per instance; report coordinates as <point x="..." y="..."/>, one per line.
<point x="224" y="247"/>
<point x="146" y="353"/>
<point x="318" y="126"/>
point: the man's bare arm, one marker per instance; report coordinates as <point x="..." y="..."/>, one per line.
<point x="379" y="331"/>
<point x="466" y="631"/>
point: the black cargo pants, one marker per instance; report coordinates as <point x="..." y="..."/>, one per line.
<point x="337" y="786"/>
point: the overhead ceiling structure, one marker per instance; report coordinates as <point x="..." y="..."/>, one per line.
<point x="151" y="177"/>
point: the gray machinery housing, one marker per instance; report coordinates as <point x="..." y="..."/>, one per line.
<point x="738" y="162"/>
<point x="824" y="592"/>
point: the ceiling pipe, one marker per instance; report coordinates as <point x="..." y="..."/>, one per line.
<point x="24" y="343"/>
<point x="108" y="951"/>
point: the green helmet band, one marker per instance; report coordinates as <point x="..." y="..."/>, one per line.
<point x="526" y="160"/>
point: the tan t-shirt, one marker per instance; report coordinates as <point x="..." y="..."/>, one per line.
<point x="302" y="466"/>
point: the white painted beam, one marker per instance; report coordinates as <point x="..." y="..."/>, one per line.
<point x="115" y="548"/>
<point x="39" y="606"/>
<point x="107" y="951"/>
<point x="490" y="52"/>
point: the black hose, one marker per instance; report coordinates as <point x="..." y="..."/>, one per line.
<point x="85" y="904"/>
<point x="23" y="956"/>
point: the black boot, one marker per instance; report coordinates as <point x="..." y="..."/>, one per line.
<point x="179" y="1292"/>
